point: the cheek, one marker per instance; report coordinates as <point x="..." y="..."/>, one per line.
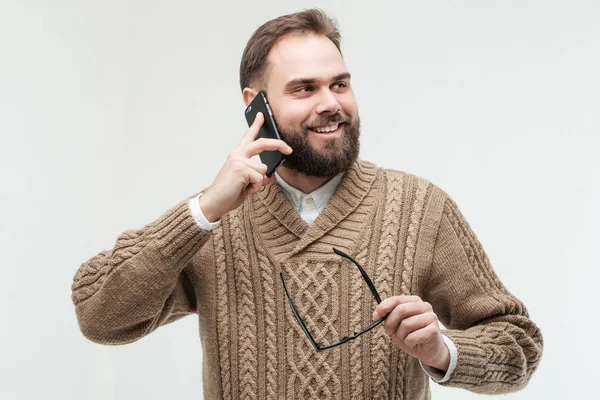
<point x="349" y="105"/>
<point x="293" y="115"/>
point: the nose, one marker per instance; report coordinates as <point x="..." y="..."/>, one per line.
<point x="328" y="103"/>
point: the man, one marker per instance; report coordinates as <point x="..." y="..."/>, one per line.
<point x="226" y="253"/>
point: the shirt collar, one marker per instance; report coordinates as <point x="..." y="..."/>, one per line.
<point x="320" y="196"/>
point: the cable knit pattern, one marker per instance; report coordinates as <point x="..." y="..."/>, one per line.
<point x="223" y="312"/>
<point x="248" y="374"/>
<point x="477" y="257"/>
<point x="90" y="277"/>
<point x="383" y="278"/>
<point x="408" y="262"/>
<point x="411" y="239"/>
<point x="271" y="322"/>
<point x="88" y="280"/>
<point x="408" y="234"/>
<point x="478" y="260"/>
<point x="357" y="320"/>
<point x="479" y="263"/>
<point x="314" y="288"/>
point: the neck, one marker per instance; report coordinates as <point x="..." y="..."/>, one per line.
<point x="307" y="184"/>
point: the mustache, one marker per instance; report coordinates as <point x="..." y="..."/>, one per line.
<point x="335" y="118"/>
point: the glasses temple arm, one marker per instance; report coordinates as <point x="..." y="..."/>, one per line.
<point x="362" y="272"/>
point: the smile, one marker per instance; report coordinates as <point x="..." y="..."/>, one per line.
<point x="326" y="129"/>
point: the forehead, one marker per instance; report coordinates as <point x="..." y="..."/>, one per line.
<point x="304" y="56"/>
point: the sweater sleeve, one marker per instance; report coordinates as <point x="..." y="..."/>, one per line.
<point x="499" y="347"/>
<point x="122" y="294"/>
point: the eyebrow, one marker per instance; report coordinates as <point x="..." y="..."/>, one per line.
<point x="310" y="81"/>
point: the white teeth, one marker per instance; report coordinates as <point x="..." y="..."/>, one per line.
<point x="326" y="129"/>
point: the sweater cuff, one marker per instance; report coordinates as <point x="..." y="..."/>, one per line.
<point x="438" y="375"/>
<point x="473" y="360"/>
<point x="178" y="235"/>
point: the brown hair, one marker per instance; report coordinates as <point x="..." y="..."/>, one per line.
<point x="254" y="60"/>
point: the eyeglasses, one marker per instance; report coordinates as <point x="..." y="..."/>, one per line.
<point x="345" y="339"/>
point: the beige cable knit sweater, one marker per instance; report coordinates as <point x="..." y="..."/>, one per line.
<point x="407" y="233"/>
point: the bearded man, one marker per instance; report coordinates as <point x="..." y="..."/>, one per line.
<point x="326" y="280"/>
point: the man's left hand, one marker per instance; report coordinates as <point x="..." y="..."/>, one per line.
<point x="413" y="327"/>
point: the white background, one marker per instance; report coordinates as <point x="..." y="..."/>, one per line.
<point x="113" y="111"/>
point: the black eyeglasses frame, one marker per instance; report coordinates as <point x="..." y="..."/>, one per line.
<point x="344" y="339"/>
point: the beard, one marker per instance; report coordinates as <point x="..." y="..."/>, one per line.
<point x="336" y="156"/>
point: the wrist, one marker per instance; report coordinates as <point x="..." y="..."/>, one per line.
<point x="442" y="361"/>
<point x="207" y="208"/>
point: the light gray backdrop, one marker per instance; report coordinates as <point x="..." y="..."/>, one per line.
<point x="113" y="111"/>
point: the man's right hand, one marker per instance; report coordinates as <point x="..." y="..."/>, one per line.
<point x="240" y="176"/>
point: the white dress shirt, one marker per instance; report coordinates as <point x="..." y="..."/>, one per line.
<point x="309" y="206"/>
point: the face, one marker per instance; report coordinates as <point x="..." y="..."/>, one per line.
<point x="309" y="91"/>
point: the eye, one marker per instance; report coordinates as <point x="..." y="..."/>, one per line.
<point x="340" y="85"/>
<point x="304" y="89"/>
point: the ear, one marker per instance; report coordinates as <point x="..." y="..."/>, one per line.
<point x="248" y="95"/>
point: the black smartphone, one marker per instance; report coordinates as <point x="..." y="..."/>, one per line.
<point x="271" y="158"/>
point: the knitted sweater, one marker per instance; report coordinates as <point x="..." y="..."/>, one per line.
<point x="407" y="233"/>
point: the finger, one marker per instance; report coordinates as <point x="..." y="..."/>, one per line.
<point x="412" y="324"/>
<point x="255" y="165"/>
<point x="261" y="168"/>
<point x="251" y="133"/>
<point x="421" y="336"/>
<point x="387" y="305"/>
<point x="254" y="180"/>
<point x="403" y="311"/>
<point x="262" y="144"/>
